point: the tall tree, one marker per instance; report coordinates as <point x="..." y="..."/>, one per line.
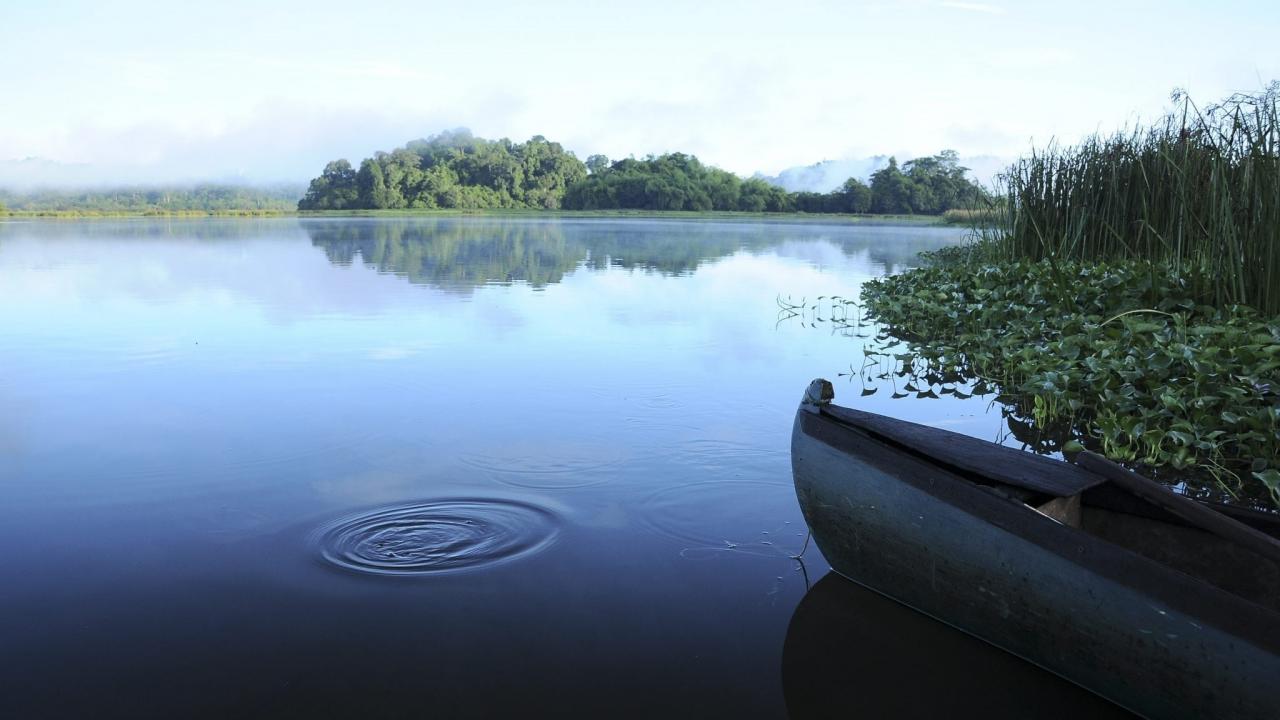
<point x="597" y="163"/>
<point x="335" y="189"/>
<point x="890" y="190"/>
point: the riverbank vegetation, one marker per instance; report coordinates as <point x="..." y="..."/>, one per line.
<point x="192" y="200"/>
<point x="1128" y="299"/>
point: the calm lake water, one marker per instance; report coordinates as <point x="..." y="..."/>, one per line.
<point x="444" y="467"/>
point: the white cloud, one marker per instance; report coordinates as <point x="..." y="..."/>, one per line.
<point x="974" y="7"/>
<point x="269" y="93"/>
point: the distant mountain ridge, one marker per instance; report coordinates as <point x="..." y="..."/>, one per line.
<point x="827" y="175"/>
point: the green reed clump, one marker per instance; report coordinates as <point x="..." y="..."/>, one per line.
<point x="1198" y="191"/>
<point x="1124" y="355"/>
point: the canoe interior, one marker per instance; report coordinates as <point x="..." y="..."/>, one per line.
<point x="1114" y="516"/>
<point x="1104" y="510"/>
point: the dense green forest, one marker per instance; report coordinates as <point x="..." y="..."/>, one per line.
<point x="929" y="186"/>
<point x="458" y="170"/>
<point x="451" y="170"/>
<point x="670" y="182"/>
<point x="203" y="198"/>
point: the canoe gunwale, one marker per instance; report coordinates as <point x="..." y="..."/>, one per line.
<point x="1185" y="593"/>
<point x="978" y="460"/>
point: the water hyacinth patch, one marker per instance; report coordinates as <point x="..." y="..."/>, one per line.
<point x="1120" y="357"/>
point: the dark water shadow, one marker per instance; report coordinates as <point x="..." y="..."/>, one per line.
<point x="851" y="652"/>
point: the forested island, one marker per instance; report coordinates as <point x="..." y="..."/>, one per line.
<point x="456" y="170"/>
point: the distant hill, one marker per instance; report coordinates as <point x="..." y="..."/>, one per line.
<point x="827" y="175"/>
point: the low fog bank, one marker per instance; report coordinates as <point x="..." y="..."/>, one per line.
<point x="37" y="175"/>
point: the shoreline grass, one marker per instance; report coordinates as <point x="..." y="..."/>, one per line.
<point x="117" y="214"/>
<point x="1198" y="191"/>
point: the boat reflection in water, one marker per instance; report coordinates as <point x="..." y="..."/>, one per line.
<point x="851" y="652"/>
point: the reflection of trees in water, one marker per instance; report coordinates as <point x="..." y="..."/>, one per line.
<point x="533" y="250"/>
<point x="463" y="253"/>
<point x="460" y="253"/>
<point x="669" y="248"/>
<point x="451" y="254"/>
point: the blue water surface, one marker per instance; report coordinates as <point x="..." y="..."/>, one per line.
<point x="417" y="467"/>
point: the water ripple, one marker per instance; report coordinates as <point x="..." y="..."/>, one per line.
<point x="738" y="515"/>
<point x="436" y="537"/>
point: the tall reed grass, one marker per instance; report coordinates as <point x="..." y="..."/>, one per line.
<point x="1199" y="191"/>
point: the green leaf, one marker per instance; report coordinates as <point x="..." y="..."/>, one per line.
<point x="1270" y="478"/>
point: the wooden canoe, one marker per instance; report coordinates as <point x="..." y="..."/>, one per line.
<point x="1165" y="606"/>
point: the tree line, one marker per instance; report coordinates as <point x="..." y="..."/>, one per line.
<point x="458" y="170"/>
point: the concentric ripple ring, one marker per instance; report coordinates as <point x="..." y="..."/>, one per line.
<point x="437" y="536"/>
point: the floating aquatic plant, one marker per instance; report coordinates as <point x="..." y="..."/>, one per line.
<point x="1119" y="356"/>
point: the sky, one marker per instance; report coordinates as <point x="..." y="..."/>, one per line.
<point x="269" y="91"/>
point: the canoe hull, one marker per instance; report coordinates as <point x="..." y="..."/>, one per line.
<point x="993" y="568"/>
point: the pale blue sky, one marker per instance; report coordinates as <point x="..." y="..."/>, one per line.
<point x="270" y="90"/>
